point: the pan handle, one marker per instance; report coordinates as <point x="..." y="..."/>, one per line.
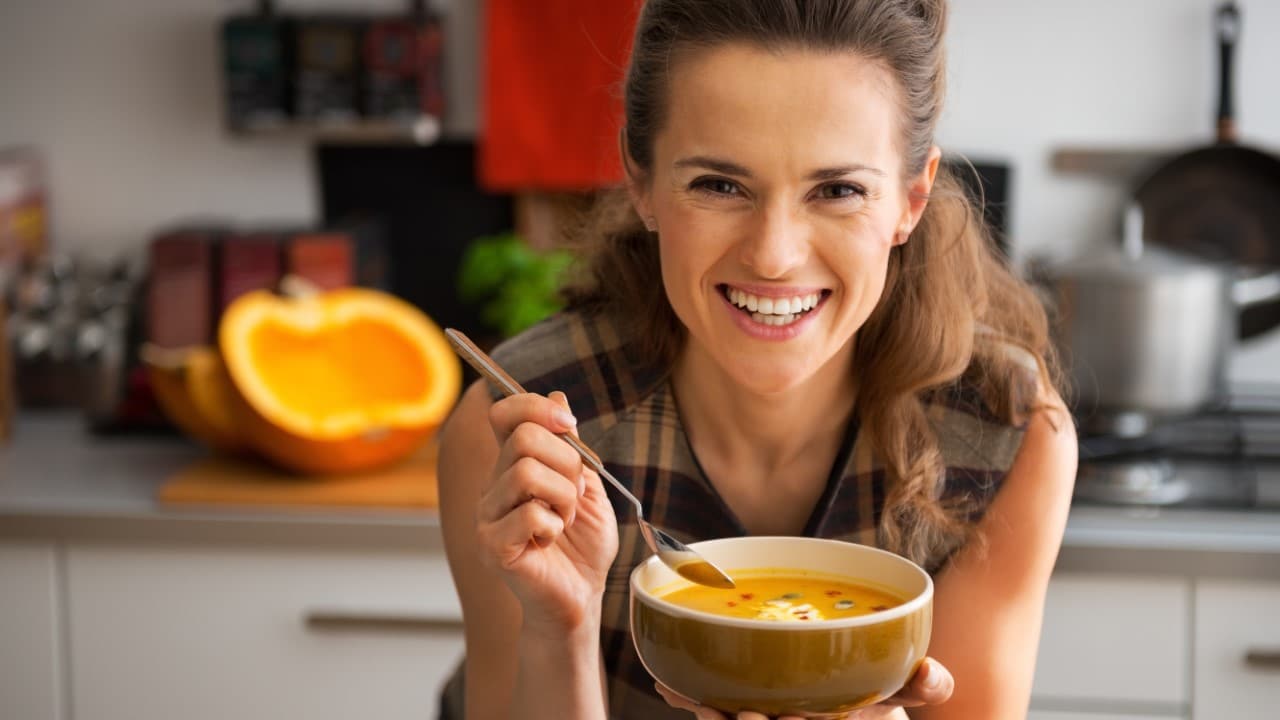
<point x="1250" y="290"/>
<point x="1228" y="27"/>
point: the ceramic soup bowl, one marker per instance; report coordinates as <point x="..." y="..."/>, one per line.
<point x="823" y="667"/>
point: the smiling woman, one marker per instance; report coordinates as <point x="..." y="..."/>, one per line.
<point x="789" y="322"/>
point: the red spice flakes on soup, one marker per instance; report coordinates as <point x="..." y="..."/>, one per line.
<point x="777" y="597"/>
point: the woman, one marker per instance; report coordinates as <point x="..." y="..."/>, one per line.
<point x="792" y="323"/>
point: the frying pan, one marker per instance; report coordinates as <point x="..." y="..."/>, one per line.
<point x="1221" y="202"/>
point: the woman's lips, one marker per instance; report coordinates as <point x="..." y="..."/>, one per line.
<point x="779" y="314"/>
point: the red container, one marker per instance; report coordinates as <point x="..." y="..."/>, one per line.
<point x="180" y="288"/>
<point x="325" y="259"/>
<point x="247" y="261"/>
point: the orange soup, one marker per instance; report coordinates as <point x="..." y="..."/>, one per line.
<point x="778" y="596"/>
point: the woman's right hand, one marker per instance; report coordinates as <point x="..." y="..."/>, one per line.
<point x="544" y="522"/>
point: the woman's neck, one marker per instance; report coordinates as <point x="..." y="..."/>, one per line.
<point x="764" y="431"/>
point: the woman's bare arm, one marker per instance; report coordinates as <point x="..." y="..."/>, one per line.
<point x="511" y="669"/>
<point x="988" y="607"/>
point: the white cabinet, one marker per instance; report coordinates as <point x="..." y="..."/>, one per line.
<point x="1112" y="640"/>
<point x="1234" y="619"/>
<point x="30" y="676"/>
<point x="209" y="633"/>
<point x="1055" y="715"/>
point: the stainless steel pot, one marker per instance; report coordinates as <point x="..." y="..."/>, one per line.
<point x="1147" y="332"/>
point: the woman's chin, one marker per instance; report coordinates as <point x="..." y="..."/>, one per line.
<point x="757" y="380"/>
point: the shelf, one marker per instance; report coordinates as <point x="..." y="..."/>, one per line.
<point x="423" y="130"/>
<point x="1123" y="164"/>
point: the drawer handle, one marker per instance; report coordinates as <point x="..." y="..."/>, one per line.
<point x="358" y="620"/>
<point x="1262" y="659"/>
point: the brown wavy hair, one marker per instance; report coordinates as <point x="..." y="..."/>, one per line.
<point x="951" y="312"/>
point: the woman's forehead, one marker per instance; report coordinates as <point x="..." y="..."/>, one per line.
<point x="782" y="106"/>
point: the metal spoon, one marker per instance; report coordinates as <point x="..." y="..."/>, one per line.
<point x="689" y="564"/>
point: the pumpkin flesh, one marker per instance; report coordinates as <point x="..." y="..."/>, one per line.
<point x="340" y="381"/>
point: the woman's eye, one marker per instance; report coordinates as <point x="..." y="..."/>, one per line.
<point x="716" y="186"/>
<point x="840" y="191"/>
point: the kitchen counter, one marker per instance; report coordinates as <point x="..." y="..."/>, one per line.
<point x="58" y="481"/>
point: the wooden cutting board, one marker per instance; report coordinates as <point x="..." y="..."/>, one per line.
<point x="220" y="480"/>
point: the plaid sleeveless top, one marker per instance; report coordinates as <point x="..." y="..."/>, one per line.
<point x="627" y="414"/>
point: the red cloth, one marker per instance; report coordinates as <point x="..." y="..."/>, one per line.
<point x="552" y="93"/>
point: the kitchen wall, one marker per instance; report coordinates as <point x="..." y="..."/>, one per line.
<point x="124" y="97"/>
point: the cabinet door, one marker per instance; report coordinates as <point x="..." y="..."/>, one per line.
<point x="212" y="633"/>
<point x="1237" y="650"/>
<point x="1116" y="639"/>
<point x="30" y="676"/>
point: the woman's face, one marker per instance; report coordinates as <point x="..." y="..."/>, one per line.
<point x="777" y="190"/>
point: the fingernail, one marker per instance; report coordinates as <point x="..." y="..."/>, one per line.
<point x="932" y="678"/>
<point x="582" y="485"/>
<point x="572" y="514"/>
<point x="565" y="418"/>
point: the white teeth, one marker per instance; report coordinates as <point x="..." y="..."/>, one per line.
<point x="777" y="320"/>
<point x="773" y="306"/>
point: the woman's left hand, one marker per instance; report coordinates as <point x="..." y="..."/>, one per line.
<point x="931" y="685"/>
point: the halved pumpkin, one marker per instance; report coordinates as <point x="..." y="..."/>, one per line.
<point x="194" y="391"/>
<point x="340" y="381"/>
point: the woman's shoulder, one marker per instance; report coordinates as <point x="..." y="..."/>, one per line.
<point x="584" y="355"/>
<point x="981" y="418"/>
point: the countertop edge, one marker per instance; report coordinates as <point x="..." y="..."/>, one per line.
<point x="407" y="530"/>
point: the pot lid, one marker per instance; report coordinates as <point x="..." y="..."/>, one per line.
<point x="1152" y="263"/>
<point x="1134" y="259"/>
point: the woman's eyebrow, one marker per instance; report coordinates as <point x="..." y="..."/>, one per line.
<point x="713" y="164"/>
<point x="835" y="173"/>
<point x="727" y="167"/>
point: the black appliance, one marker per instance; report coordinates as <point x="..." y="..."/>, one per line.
<point x="427" y="206"/>
<point x="987" y="183"/>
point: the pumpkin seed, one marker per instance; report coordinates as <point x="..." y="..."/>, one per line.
<point x="844" y="604"/>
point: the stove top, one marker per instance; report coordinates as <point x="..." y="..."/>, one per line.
<point x="1227" y="457"/>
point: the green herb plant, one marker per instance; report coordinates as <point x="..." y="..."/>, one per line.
<point x="515" y="285"/>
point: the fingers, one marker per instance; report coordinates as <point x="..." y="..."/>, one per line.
<point x="508" y="538"/>
<point x="680" y="702"/>
<point x="530" y="479"/>
<point x="537" y="480"/>
<point x="932" y="684"/>
<point x="535" y="441"/>
<point x="509" y="413"/>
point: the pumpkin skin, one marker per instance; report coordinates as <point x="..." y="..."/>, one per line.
<point x="336" y="382"/>
<point x="194" y="391"/>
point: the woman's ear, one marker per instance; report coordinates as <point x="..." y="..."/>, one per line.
<point x="918" y="190"/>
<point x="637" y="187"/>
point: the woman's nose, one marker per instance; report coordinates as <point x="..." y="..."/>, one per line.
<point x="776" y="244"/>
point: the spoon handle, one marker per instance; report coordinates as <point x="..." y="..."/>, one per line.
<point x="485" y="365"/>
